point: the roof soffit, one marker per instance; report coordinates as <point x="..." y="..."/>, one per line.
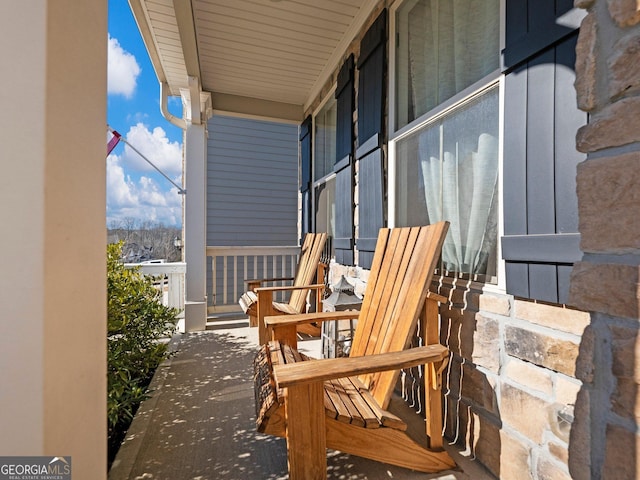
<point x="254" y="56"/>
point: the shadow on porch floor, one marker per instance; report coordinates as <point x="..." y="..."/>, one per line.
<point x="199" y="423"/>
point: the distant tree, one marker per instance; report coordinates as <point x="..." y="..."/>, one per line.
<point x="145" y="240"/>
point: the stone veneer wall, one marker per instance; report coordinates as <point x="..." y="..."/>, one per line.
<point x="511" y="385"/>
<point x="604" y="439"/>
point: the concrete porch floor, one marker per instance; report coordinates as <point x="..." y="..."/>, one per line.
<point x="199" y="423"/>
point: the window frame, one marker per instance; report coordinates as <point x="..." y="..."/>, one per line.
<point x="330" y="176"/>
<point x="493" y="79"/>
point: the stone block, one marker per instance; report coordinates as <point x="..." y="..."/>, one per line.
<point x="458" y="331"/>
<point x="585" y="366"/>
<point x="566" y="390"/>
<point x="457" y="421"/>
<point x="484" y="437"/>
<point x="624" y="12"/>
<point x="608" y="201"/>
<point x="561" y="452"/>
<point x="453" y="372"/>
<point x="486" y="343"/>
<point x="530" y="376"/>
<point x="622" y="452"/>
<point x="550" y="470"/>
<point x="625" y="349"/>
<point x="524" y="412"/>
<point x="543" y="350"/>
<point x="363" y="274"/>
<point x="624" y="399"/>
<point x="479" y="388"/>
<point x="514" y="458"/>
<point x="624" y="67"/>
<point x="613" y="126"/>
<point x="580" y="439"/>
<point x="559" y="318"/>
<point x="462" y="296"/>
<point x="607" y="288"/>
<point x="498" y="304"/>
<point x="585" y="82"/>
<point x="337" y="270"/>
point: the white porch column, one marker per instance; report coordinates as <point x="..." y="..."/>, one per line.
<point x="195" y="222"/>
<point x="53" y="242"/>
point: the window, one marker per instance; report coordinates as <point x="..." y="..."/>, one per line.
<point x="447" y="160"/>
<point x="448" y="170"/>
<point x="442" y="48"/>
<point x="324" y="155"/>
<point x="324" y="141"/>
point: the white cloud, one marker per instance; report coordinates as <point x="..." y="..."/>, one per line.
<point x="135" y="190"/>
<point x="122" y="70"/>
<point x="156" y="147"/>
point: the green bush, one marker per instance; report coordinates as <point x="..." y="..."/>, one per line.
<point x="136" y="321"/>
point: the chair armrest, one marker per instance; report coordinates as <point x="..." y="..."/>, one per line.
<point x="315" y="286"/>
<point x="264" y="280"/>
<point x="305" y="318"/>
<point x="437" y="297"/>
<point x="320" y="370"/>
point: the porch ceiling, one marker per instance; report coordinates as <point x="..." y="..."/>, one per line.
<point x="264" y="58"/>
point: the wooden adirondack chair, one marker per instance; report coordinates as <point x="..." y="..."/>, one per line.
<point x="257" y="301"/>
<point x="342" y="403"/>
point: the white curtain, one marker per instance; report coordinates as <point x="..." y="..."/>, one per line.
<point x="459" y="167"/>
<point x="452" y="44"/>
<point x="461" y="189"/>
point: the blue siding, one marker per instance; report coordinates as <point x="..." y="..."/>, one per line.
<point x="252" y="182"/>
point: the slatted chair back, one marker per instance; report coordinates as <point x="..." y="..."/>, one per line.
<point x="310" y="253"/>
<point x="401" y="273"/>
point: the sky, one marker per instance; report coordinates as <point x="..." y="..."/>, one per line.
<point x="135" y="191"/>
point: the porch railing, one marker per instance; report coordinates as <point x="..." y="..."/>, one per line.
<point x="228" y="267"/>
<point x="169" y="278"/>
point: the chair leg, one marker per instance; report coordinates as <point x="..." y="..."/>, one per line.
<point x="385" y="445"/>
<point x="306" y="437"/>
<point x="265" y="308"/>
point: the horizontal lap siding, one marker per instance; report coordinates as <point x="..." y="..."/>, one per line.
<point x="252" y="182"/>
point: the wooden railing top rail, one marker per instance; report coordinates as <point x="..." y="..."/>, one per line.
<point x="156" y="269"/>
<point x="247" y="251"/>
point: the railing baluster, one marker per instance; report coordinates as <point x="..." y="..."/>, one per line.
<point x="255" y="266"/>
<point x="175" y="272"/>
<point x="246" y="273"/>
<point x="214" y="281"/>
<point x="235" y="276"/>
<point x="225" y="275"/>
<point x="270" y="266"/>
<point x="283" y="268"/>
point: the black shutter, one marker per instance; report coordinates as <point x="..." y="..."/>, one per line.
<point x="305" y="173"/>
<point x="371" y="105"/>
<point x="541" y="239"/>
<point x="343" y="241"/>
<point x="534" y="25"/>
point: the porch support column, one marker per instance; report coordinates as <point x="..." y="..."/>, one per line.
<point x="605" y="434"/>
<point x="53" y="386"/>
<point x="195" y="172"/>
